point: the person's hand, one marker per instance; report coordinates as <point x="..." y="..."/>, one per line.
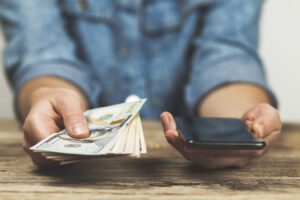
<point x="52" y="109"/>
<point x="263" y="121"/>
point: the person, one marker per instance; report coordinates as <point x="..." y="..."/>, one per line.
<point x="196" y="58"/>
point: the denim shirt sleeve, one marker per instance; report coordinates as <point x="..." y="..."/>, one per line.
<point x="38" y="45"/>
<point x="226" y="50"/>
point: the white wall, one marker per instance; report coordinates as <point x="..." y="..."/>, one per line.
<point x="6" y="110"/>
<point x="280" y="49"/>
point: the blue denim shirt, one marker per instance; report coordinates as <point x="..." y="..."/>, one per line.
<point x="172" y="52"/>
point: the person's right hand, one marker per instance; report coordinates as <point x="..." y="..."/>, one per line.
<point x="52" y="109"/>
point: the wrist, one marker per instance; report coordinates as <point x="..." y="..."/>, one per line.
<point x="42" y="88"/>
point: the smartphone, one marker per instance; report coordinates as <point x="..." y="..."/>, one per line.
<point x="217" y="133"/>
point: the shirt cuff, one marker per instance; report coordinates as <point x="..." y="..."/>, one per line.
<point x="227" y="72"/>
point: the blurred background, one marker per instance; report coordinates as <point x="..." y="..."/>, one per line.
<point x="279" y="48"/>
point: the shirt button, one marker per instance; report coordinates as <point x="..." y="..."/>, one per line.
<point x="132" y="98"/>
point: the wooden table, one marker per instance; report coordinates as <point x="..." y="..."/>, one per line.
<point x="160" y="174"/>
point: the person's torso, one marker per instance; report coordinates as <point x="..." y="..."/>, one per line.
<point x="136" y="47"/>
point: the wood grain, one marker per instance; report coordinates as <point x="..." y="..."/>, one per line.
<point x="160" y="174"/>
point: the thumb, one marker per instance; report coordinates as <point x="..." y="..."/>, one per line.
<point x="76" y="124"/>
<point x="72" y="113"/>
<point x="168" y="121"/>
<point x="171" y="134"/>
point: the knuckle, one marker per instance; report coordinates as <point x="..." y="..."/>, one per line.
<point x="25" y="127"/>
<point x="249" y="115"/>
<point x="27" y="124"/>
<point x="30" y="132"/>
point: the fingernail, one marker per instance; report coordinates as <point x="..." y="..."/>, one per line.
<point x="172" y="123"/>
<point x="168" y="120"/>
<point x="78" y="129"/>
<point x="165" y="121"/>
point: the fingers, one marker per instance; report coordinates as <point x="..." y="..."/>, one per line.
<point x="46" y="117"/>
<point x="208" y="159"/>
<point x="71" y="111"/>
<point x="171" y="134"/>
<point x="252" y="123"/>
<point x="50" y="110"/>
<point x="39" y="125"/>
<point x="37" y="158"/>
<point x="169" y="127"/>
<point x="262" y="120"/>
<point x="165" y="121"/>
<point x="271" y="138"/>
<point x="36" y="127"/>
<point x="254" y="112"/>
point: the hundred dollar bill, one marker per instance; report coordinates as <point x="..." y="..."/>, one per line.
<point x="130" y="142"/>
<point x="106" y="124"/>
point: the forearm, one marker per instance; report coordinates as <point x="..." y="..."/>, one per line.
<point x="232" y="100"/>
<point x="25" y="97"/>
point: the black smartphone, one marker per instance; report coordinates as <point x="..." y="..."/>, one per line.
<point x="217" y="133"/>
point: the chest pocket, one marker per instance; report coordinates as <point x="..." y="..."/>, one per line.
<point x="101" y="11"/>
<point x="160" y="16"/>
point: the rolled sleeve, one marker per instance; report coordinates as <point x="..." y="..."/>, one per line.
<point x="59" y="69"/>
<point x="38" y="44"/>
<point x="226" y="51"/>
<point x="236" y="71"/>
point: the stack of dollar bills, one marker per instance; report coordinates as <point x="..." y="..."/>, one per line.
<point x="114" y="130"/>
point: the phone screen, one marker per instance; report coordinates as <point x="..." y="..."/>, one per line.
<point x="216" y="133"/>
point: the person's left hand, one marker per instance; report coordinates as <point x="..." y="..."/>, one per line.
<point x="262" y="120"/>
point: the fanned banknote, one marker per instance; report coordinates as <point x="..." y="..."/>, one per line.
<point x="114" y="131"/>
